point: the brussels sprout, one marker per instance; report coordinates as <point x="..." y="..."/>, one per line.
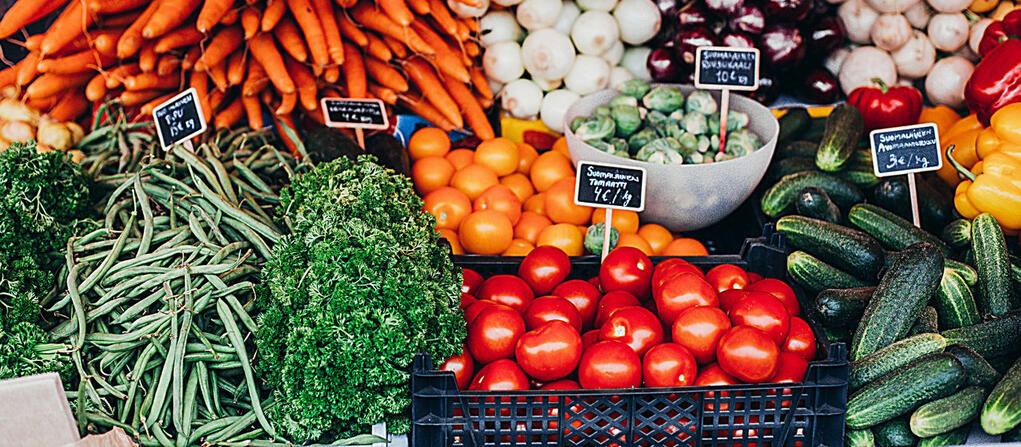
<point x="701" y="101"/>
<point x="664" y="98"/>
<point x="741" y="142"/>
<point x="671" y="128"/>
<point x="596" y="128"/>
<point x="622" y="154"/>
<point x="688" y="142"/>
<point x="695" y="122"/>
<point x="676" y="115"/>
<point x="714" y="142"/>
<point x="623" y="100"/>
<point x="603" y="146"/>
<point x="620" y="145"/>
<point x="640" y="138"/>
<point x="603" y="110"/>
<point x="704" y="143"/>
<point x="655" y="117"/>
<point x="663" y="151"/>
<point x="578" y="121"/>
<point x="694" y="158"/>
<point x="635" y="88"/>
<point x="735" y="121"/>
<point x="627" y="119"/>
<point x="594" y="238"/>
<point x="723" y="156"/>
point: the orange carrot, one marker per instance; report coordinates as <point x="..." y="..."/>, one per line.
<point x="287" y="103"/>
<point x="378" y="49"/>
<point x="168" y="64"/>
<point x="105" y="42"/>
<point x="131" y="40"/>
<point x="192" y="56"/>
<point x="230" y="115"/>
<point x="218" y="73"/>
<point x="286" y="121"/>
<point x="147" y="108"/>
<point x="480" y="83"/>
<point x="275" y="10"/>
<point x="95" y="90"/>
<point x="425" y="78"/>
<point x="170" y="14"/>
<point x="28" y="68"/>
<point x="236" y="68"/>
<point x="21" y="13"/>
<point x="396" y="47"/>
<point x="387" y="95"/>
<point x="115" y="77"/>
<point x="43" y="104"/>
<point x="448" y="61"/>
<point x="71" y="24"/>
<point x="253" y="110"/>
<point x="485" y="102"/>
<point x="138" y="97"/>
<point x="75" y="63"/>
<point x="120" y="20"/>
<point x="422" y="7"/>
<point x="304" y="82"/>
<point x="312" y="28"/>
<point x="369" y="17"/>
<point x="443" y="18"/>
<point x="398" y="11"/>
<point x="346" y="3"/>
<point x="349" y="30"/>
<point x="290" y="38"/>
<point x="215" y="100"/>
<point x="114" y="6"/>
<point x="463" y="32"/>
<point x="147" y="57"/>
<point x="150" y="81"/>
<point x="331" y="30"/>
<point x="223" y="44"/>
<point x="470" y="108"/>
<point x="231" y="17"/>
<point x="71" y="106"/>
<point x="425" y="110"/>
<point x="200" y="82"/>
<point x="211" y="13"/>
<point x="265" y="51"/>
<point x="385" y="75"/>
<point x="472" y="49"/>
<point x="250" y="21"/>
<point x="9" y="75"/>
<point x="354" y="72"/>
<point x="32" y="43"/>
<point x="256" y="80"/>
<point x="50" y="84"/>
<point x="331" y="74"/>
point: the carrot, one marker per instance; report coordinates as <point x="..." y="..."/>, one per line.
<point x="32" y="43"/>
<point x="253" y="111"/>
<point x="275" y="10"/>
<point x="43" y="104"/>
<point x="448" y="61"/>
<point x="304" y="81"/>
<point x="115" y="77"/>
<point x="396" y="47"/>
<point x="105" y="41"/>
<point x="211" y="13"/>
<point x="50" y="84"/>
<point x="387" y="95"/>
<point x="378" y="49"/>
<point x="385" y="75"/>
<point x="223" y="44"/>
<point x="354" y="72"/>
<point x="250" y="21"/>
<point x="256" y="80"/>
<point x="28" y="68"/>
<point x="265" y="51"/>
<point x="120" y="20"/>
<point x="331" y="30"/>
<point x="218" y="73"/>
<point x="9" y="74"/>
<point x="114" y="6"/>
<point x="422" y="7"/>
<point x="149" y="81"/>
<point x="331" y="74"/>
<point x="443" y="18"/>
<point x="72" y="105"/>
<point x="215" y="100"/>
<point x="75" y="63"/>
<point x="290" y="38"/>
<point x="286" y="121"/>
<point x="472" y="24"/>
<point x="230" y="115"/>
<point x="425" y="110"/>
<point x="472" y="49"/>
<point x="131" y="40"/>
<point x="95" y="90"/>
<point x="147" y="57"/>
<point x="183" y="36"/>
<point x="200" y="82"/>
<point x="23" y="12"/>
<point x="425" y="78"/>
<point x="192" y="56"/>
<point x="370" y="18"/>
<point x="168" y="64"/>
<point x="470" y="108"/>
<point x="287" y="103"/>
<point x="349" y="30"/>
<point x="70" y="24"/>
<point x="346" y="3"/>
<point x="137" y="97"/>
<point x="147" y="108"/>
<point x="480" y="83"/>
<point x="231" y="17"/>
<point x="398" y="11"/>
<point x="312" y="28"/>
<point x="236" y="68"/>
<point x="169" y="14"/>
<point x="485" y="102"/>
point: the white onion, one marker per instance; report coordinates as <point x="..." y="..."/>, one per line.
<point x="502" y="61"/>
<point x="464" y="11"/>
<point x="890" y="31"/>
<point x="949" y="5"/>
<point x="948" y="31"/>
<point x="977" y="30"/>
<point x="594" y="32"/>
<point x="588" y="75"/>
<point x="835" y="60"/>
<point x="639" y="20"/>
<point x="620" y="75"/>
<point x="554" y="107"/>
<point x="864" y="64"/>
<point x="635" y="60"/>
<point x="945" y="82"/>
<point x="918" y="15"/>
<point x="548" y="53"/>
<point x="858" y="18"/>
<point x="914" y="58"/>
<point x="499" y="26"/>
<point x="536" y="14"/>
<point x="569" y="12"/>
<point x="614" y="54"/>
<point x="506" y="3"/>
<point x="547" y="84"/>
<point x="597" y="5"/>
<point x="521" y="98"/>
<point x="891" y="6"/>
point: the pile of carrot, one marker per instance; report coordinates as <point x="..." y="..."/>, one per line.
<point x="244" y="55"/>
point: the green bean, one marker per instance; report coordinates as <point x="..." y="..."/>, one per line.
<point x="144" y="283"/>
<point x="83" y="241"/>
<point x="222" y="177"/>
<point x="239" y="344"/>
<point x="213" y="226"/>
<point x="226" y="365"/>
<point x="233" y="429"/>
<point x="258" y="213"/>
<point x="248" y="435"/>
<point x="251" y="236"/>
<point x="136" y="377"/>
<point x="236" y="213"/>
<point x="193" y="162"/>
<point x="241" y="313"/>
<point x="105" y="338"/>
<point x="79" y="307"/>
<point x="251" y="177"/>
<point x="227" y="250"/>
<point x="111" y="204"/>
<point x="119" y="364"/>
<point x="139" y="306"/>
<point x="196" y="228"/>
<point x="158" y="256"/>
<point x="178" y="371"/>
<point x="211" y="427"/>
<point x="104" y="384"/>
<point x="214" y="380"/>
<point x="164" y="381"/>
<point x="203" y="379"/>
<point x="190" y="391"/>
<point x="108" y="261"/>
<point x="161" y="436"/>
<point x="143" y="201"/>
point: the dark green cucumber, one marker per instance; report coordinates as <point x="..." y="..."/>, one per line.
<point x="815" y="275"/>
<point x="967" y="272"/>
<point x="861" y="175"/>
<point x="787" y="166"/>
<point x="800" y="149"/>
<point x="890" y="229"/>
<point x="779" y="198"/>
<point x="954" y="437"/>
<point x="842" y="307"/>
<point x="933" y="209"/>
<point x="946" y="414"/>
<point x="957" y="234"/>
<point x="815" y="131"/>
<point x="980" y="372"/>
<point x="834" y="334"/>
<point x="815" y="203"/>
<point x="954" y="302"/>
<point x="793" y="124"/>
<point x="862" y="157"/>
<point x="993" y="338"/>
<point x="1002" y="363"/>
<point x="851" y="250"/>
<point x="1002" y="409"/>
<point x="859" y="438"/>
<point x="844" y="127"/>
<point x="899" y="300"/>
<point x="931" y="377"/>
<point x="895" y="433"/>
<point x="927" y="323"/>
<point x="1014" y="435"/>
<point x="996" y="294"/>
<point x="893" y="357"/>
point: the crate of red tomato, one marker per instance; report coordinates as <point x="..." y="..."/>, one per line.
<point x="711" y="350"/>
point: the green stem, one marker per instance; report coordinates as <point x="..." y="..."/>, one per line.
<point x="957" y="165"/>
<point x="882" y="85"/>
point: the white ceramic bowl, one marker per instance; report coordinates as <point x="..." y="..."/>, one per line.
<point x="692" y="196"/>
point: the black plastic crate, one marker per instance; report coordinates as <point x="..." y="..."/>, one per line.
<point x="799" y="415"/>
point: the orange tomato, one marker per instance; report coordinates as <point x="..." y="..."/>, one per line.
<point x="518" y="247"/>
<point x="656" y="235"/>
<point x="448" y="205"/>
<point x="431" y="173"/>
<point x="549" y="168"/>
<point x="636" y="241"/>
<point x="520" y="184"/>
<point x="460" y="157"/>
<point x="625" y="221"/>
<point x="473" y="180"/>
<point x="526" y="156"/>
<point x="560" y="206"/>
<point x="566" y="237"/>
<point x="428" y="142"/>
<point x="944" y="117"/>
<point x="486" y="232"/>
<point x="530" y="225"/>
<point x="536" y="204"/>
<point x="498" y="154"/>
<point x="684" y="246"/>
<point x="561" y="146"/>
<point x="451" y="237"/>
<point x="499" y="198"/>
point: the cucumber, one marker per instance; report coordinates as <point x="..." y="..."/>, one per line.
<point x="954" y="302"/>
<point x="861" y="175"/>
<point x="958" y="233"/>
<point x="779" y="198"/>
<point x="815" y="275"/>
<point x="946" y="414"/>
<point x="842" y="307"/>
<point x="993" y="338"/>
<point x="787" y="166"/>
<point x="848" y="249"/>
<point x="1002" y="363"/>
<point x="800" y="149"/>
<point x="899" y="300"/>
<point x="980" y="372"/>
<point x="927" y="323"/>
<point x="890" y="229"/>
<point x="859" y="438"/>
<point x="1014" y="435"/>
<point x="933" y="209"/>
<point x="932" y="377"/>
<point x="835" y="334"/>
<point x="844" y="128"/>
<point x="862" y="158"/>
<point x="966" y="271"/>
<point x="893" y="357"/>
<point x="815" y="203"/>
<point x="996" y="294"/>
<point x="954" y="437"/>
<point x="1002" y="409"/>
<point x="815" y="131"/>
<point x="793" y="123"/>
<point x="895" y="433"/>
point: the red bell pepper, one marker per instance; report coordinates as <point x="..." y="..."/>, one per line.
<point x="996" y="80"/>
<point x="884" y="106"/>
<point x="993" y="36"/>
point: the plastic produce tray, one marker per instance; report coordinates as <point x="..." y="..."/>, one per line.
<point x="805" y="414"/>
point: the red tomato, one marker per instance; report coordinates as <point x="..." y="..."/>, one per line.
<point x="671" y="267"/>
<point x="780" y="290"/>
<point x="508" y="290"/>
<point x="589" y="338"/>
<point x="680" y="292"/>
<point x="699" y="329"/>
<point x="475" y="308"/>
<point x="764" y="312"/>
<point x="463" y="368"/>
<point x="754" y="277"/>
<point x="611" y="302"/>
<point x="549" y="352"/>
<point x="594" y="281"/>
<point x="549" y="308"/>
<point x="669" y="365"/>
<point x="501" y="375"/>
<point x="466" y="300"/>
<point x="544" y="268"/>
<point x="728" y="298"/>
<point x="713" y="375"/>
<point x="494" y="333"/>
<point x="583" y="295"/>
<point x="726" y="277"/>
<point x="627" y="269"/>
<point x="472" y="280"/>
<point x="790" y="368"/>
<point x="610" y="364"/>
<point x="635" y="326"/>
<point x="800" y="340"/>
<point x="563" y="384"/>
<point x="748" y="354"/>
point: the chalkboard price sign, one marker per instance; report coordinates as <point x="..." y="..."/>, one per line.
<point x="179" y="118"/>
<point x="727" y="68"/>
<point x="354" y="113"/>
<point x="610" y="186"/>
<point x="906" y="149"/>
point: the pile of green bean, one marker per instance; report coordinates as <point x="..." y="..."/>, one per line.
<point x="156" y="306"/>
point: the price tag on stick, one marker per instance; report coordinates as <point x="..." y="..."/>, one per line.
<point x="358" y="114"/>
<point x="179" y="119"/>
<point x="726" y="69"/>
<point x="906" y="150"/>
<point x="611" y="187"/>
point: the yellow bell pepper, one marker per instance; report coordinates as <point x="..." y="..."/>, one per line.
<point x="965" y="153"/>
<point x="962" y="125"/>
<point x="1006" y="122"/>
<point x="987" y="143"/>
<point x="993" y="186"/>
